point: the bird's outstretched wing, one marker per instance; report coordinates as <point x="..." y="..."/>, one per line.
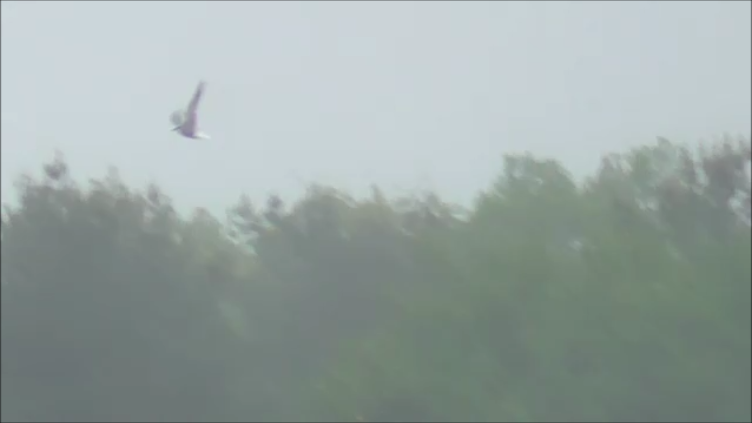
<point x="193" y="105"/>
<point x="177" y="117"/>
<point x="191" y="117"/>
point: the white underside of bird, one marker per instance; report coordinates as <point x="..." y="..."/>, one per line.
<point x="186" y="121"/>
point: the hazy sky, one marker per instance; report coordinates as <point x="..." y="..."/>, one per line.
<point x="402" y="94"/>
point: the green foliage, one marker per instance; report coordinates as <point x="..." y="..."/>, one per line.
<point x="626" y="298"/>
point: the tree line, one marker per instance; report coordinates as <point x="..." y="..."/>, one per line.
<point x="622" y="298"/>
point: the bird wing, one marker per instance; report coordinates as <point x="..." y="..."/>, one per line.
<point x="190" y="113"/>
<point x="177" y="117"/>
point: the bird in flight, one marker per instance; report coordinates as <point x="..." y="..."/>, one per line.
<point x="185" y="121"/>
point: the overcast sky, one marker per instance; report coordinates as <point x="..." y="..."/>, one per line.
<point x="402" y="94"/>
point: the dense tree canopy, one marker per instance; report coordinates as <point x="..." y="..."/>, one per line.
<point x="623" y="298"/>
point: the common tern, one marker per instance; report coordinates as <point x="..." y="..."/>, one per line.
<point x="186" y="121"/>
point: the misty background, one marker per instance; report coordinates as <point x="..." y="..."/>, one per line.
<point x="406" y="95"/>
<point x="600" y="269"/>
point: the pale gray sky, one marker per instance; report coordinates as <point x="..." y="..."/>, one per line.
<point x="419" y="94"/>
